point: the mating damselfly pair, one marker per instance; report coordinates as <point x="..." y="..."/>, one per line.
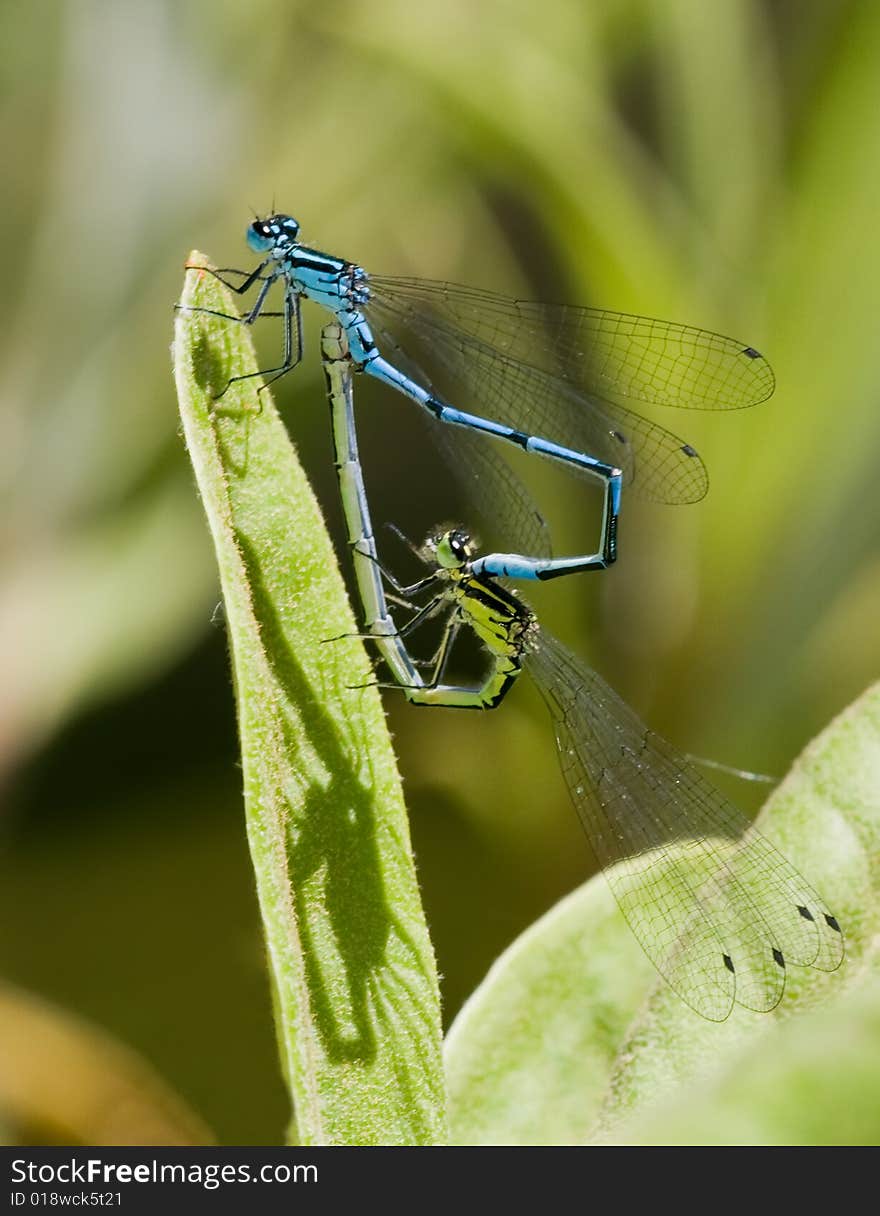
<point x="718" y="910"/>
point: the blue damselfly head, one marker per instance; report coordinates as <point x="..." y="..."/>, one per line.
<point x="272" y="232"/>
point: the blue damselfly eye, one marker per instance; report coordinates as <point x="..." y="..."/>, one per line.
<point x="264" y="235"/>
<point x="260" y="237"/>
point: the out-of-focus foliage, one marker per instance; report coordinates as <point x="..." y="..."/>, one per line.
<point x="65" y="1082"/>
<point x="710" y="163"/>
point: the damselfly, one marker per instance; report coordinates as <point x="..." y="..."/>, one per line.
<point x="718" y="910"/>
<point x="549" y="379"/>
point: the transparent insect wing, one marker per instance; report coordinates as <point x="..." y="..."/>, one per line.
<point x="509" y="518"/>
<point x="719" y="911"/>
<point x="608" y="353"/>
<point x="542" y="398"/>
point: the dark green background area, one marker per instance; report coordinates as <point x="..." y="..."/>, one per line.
<point x="717" y="164"/>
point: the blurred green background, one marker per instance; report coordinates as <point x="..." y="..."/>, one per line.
<point x="711" y="163"/>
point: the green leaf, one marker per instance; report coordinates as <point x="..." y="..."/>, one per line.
<point x="354" y="981"/>
<point x="529" y="1055"/>
<point x="572" y="1035"/>
<point x="816" y="1083"/>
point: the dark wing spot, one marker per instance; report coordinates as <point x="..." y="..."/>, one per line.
<point x="777" y="956"/>
<point x="805" y="912"/>
<point x="688" y="450"/>
<point x="831" y="921"/>
<point x="728" y="963"/>
<point x="752" y="353"/>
